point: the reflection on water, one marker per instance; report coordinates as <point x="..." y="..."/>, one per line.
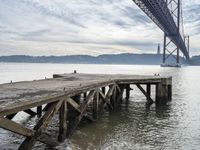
<point x="133" y="125"/>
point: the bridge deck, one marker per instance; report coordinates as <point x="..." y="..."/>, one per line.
<point x="62" y="94"/>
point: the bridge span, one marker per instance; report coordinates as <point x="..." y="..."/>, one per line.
<point x="167" y="15"/>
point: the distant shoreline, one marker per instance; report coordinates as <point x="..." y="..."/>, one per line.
<point x="118" y="59"/>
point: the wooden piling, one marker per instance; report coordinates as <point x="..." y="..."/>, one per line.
<point x="63" y="122"/>
<point x="113" y="98"/>
<point x="84" y="95"/>
<point x="148" y="86"/>
<point x="103" y="90"/>
<point x="96" y="105"/>
<point x="39" y="111"/>
<point x="127" y="91"/>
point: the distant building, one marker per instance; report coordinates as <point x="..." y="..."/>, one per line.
<point x="158" y="50"/>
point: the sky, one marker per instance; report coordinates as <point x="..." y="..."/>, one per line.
<point x="90" y="27"/>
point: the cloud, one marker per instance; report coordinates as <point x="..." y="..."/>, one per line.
<point x="94" y="27"/>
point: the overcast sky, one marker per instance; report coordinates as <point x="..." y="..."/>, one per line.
<point x="94" y="27"/>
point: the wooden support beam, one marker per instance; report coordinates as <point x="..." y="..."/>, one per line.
<point x="104" y="90"/>
<point x="15" y="127"/>
<point x="149" y="99"/>
<point x="74" y="104"/>
<point x="110" y="91"/>
<point x="102" y="100"/>
<point x="96" y="105"/>
<point x="83" y="107"/>
<point x="84" y="95"/>
<point x="122" y="91"/>
<point x="29" y="142"/>
<point x="63" y="122"/>
<point x="119" y="94"/>
<point x="46" y="107"/>
<point x="108" y="96"/>
<point x="113" y="98"/>
<point x="118" y="88"/>
<point x="122" y="88"/>
<point x="39" y="110"/>
<point x="148" y="86"/>
<point x="30" y="112"/>
<point x="102" y="95"/>
<point x="10" y="117"/>
<point x="127" y="91"/>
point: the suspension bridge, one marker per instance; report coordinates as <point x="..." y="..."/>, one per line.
<point x="75" y="97"/>
<point x="167" y="15"/>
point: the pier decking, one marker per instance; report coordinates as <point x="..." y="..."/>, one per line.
<point x="74" y="97"/>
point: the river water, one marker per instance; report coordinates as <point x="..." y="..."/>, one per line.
<point x="133" y="126"/>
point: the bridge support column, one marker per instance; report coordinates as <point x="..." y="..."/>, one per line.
<point x="168" y="45"/>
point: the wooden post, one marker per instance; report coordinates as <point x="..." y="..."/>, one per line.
<point x="127" y="91"/>
<point x="84" y="95"/>
<point x="119" y="94"/>
<point x="96" y="105"/>
<point x="122" y="92"/>
<point x="63" y="122"/>
<point x="149" y="89"/>
<point x="73" y="113"/>
<point x="108" y="97"/>
<point x="104" y="90"/>
<point x="113" y="99"/>
<point x="159" y="93"/>
<point x="102" y="97"/>
<point x="39" y="111"/>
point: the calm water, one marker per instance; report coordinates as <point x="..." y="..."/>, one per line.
<point x="133" y="126"/>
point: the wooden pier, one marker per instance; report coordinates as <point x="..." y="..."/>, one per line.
<point x="74" y="97"/>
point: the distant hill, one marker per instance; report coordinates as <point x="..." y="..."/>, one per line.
<point x="124" y="58"/>
<point x="195" y="60"/>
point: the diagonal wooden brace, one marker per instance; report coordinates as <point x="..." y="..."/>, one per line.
<point x="83" y="108"/>
<point x="29" y="142"/>
<point x="15" y="127"/>
<point x="149" y="99"/>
